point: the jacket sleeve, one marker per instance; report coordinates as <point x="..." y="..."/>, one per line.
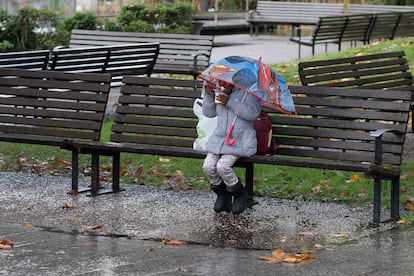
<point x="209" y="106"/>
<point x="248" y="108"/>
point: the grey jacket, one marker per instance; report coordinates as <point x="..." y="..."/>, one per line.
<point x="247" y="111"/>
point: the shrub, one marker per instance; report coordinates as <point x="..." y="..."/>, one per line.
<point x="163" y="18"/>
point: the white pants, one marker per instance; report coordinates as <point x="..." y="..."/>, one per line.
<point x="219" y="168"/>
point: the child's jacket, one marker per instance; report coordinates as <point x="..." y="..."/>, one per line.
<point x="247" y="111"/>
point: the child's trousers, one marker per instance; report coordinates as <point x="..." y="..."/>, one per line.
<point x="219" y="168"/>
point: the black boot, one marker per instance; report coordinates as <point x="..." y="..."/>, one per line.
<point x="239" y="194"/>
<point x="223" y="201"/>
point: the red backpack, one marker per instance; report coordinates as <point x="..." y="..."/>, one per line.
<point x="266" y="144"/>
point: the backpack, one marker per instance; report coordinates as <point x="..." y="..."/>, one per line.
<point x="266" y="144"/>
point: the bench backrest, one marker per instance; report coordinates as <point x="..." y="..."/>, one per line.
<point x="116" y="60"/>
<point x="330" y="29"/>
<point x="406" y="25"/>
<point x="46" y="107"/>
<point x="35" y="60"/>
<point x="280" y="11"/>
<point x="333" y="124"/>
<point x="357" y="27"/>
<point x="376" y="71"/>
<point x="156" y="111"/>
<point x="384" y="26"/>
<point x="177" y="51"/>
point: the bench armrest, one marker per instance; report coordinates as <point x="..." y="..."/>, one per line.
<point x="378" y="141"/>
<point x="252" y="13"/>
<point x="195" y="60"/>
<point x="60" y="47"/>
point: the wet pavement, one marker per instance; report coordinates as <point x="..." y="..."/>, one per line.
<point x="121" y="234"/>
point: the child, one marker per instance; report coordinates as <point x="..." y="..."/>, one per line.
<point x="218" y="164"/>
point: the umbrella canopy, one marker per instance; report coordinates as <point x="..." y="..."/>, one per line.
<point x="254" y="77"/>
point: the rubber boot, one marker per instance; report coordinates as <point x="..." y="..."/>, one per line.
<point x="223" y="201"/>
<point x="239" y="194"/>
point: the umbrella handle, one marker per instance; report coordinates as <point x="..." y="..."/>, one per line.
<point x="233" y="141"/>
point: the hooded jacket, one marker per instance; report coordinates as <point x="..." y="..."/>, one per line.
<point x="247" y="111"/>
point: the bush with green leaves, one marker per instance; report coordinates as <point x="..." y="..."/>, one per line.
<point x="29" y="29"/>
<point x="161" y="18"/>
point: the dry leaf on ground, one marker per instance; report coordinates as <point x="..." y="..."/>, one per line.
<point x="278" y="255"/>
<point x="92" y="227"/>
<point x="5" y="244"/>
<point x="173" y="242"/>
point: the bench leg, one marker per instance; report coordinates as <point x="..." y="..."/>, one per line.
<point x="249" y="184"/>
<point x="395" y="199"/>
<point x="95" y="174"/>
<point x="115" y="172"/>
<point x="75" y="172"/>
<point x="377" y="200"/>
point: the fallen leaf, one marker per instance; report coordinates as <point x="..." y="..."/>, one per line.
<point x="402" y="221"/>
<point x="341" y="236"/>
<point x="409" y="206"/>
<point x="73" y="192"/>
<point x="290" y="260"/>
<point x="66" y="206"/>
<point x="283" y="239"/>
<point x="5" y="244"/>
<point x="268" y="258"/>
<point x="279" y="255"/>
<point x="92" y="227"/>
<point x="173" y="242"/>
<point x="164" y="160"/>
<point x="306" y="234"/>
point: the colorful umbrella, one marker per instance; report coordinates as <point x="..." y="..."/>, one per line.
<point x="254" y="77"/>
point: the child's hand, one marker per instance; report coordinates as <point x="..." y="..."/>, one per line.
<point x="221" y="98"/>
<point x="209" y="89"/>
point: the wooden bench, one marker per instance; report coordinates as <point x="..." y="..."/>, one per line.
<point x="329" y="29"/>
<point x="353" y="28"/>
<point x="289" y="13"/>
<point x="356" y="130"/>
<point x="388" y="71"/>
<point x="116" y="60"/>
<point x="48" y="107"/>
<point x="179" y="53"/>
<point x="35" y="60"/>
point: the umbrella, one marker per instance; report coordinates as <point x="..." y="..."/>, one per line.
<point x="254" y="77"/>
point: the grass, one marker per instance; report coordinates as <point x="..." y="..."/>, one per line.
<point x="183" y="173"/>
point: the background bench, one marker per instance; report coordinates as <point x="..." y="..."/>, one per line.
<point x="289" y="13"/>
<point x="179" y="53"/>
<point x="116" y="60"/>
<point x="388" y="71"/>
<point x="357" y="27"/>
<point x="329" y="29"/>
<point x="35" y="60"/>
<point x="336" y="129"/>
<point x="48" y="107"/>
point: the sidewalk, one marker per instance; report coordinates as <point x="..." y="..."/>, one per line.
<point x="53" y="234"/>
<point x="272" y="48"/>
